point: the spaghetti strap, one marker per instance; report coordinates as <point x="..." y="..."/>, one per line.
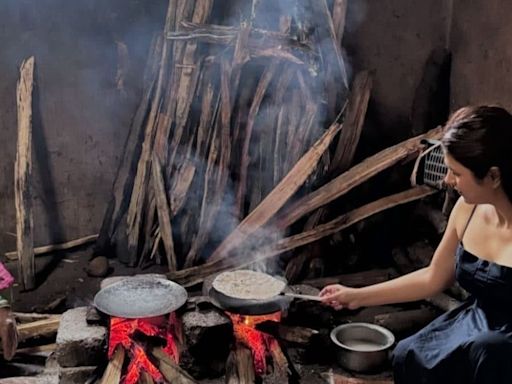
<point x="467" y="223"/>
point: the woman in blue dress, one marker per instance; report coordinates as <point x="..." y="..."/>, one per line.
<point x="472" y="343"/>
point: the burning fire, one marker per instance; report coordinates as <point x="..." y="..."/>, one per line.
<point x="258" y="342"/>
<point x="121" y="333"/>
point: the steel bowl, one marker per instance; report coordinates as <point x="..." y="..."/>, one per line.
<point x="362" y="347"/>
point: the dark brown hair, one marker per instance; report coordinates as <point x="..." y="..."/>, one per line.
<point x="480" y="137"/>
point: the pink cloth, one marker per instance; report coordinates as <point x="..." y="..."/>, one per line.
<point x="6" y="278"/>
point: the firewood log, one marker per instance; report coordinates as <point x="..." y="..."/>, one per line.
<point x="112" y="374"/>
<point x="171" y="371"/>
<point x="240" y="367"/>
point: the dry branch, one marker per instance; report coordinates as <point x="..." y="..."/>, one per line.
<point x="55" y="247"/>
<point x="163" y="213"/>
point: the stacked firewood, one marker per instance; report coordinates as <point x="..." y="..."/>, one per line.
<point x="237" y="138"/>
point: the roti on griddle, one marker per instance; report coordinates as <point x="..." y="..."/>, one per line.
<point x="247" y="284"/>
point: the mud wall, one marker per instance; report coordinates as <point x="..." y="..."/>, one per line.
<point x="481" y="42"/>
<point x="89" y="63"/>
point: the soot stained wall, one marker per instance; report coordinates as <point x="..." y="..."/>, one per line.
<point x="82" y="115"/>
<point x="393" y="38"/>
<point x="82" y="110"/>
<point x="481" y="41"/>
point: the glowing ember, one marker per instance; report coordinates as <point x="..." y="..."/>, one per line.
<point x="258" y="342"/>
<point x="121" y="332"/>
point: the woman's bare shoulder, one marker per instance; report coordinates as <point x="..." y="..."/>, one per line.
<point x="460" y="214"/>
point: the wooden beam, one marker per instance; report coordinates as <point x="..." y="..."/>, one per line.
<point x="23" y="177"/>
<point x="55" y="247"/>
<point x="354" y="177"/>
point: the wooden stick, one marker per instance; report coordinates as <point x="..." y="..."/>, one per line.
<point x="23" y="177"/>
<point x="171" y="371"/>
<point x="353" y="177"/>
<point x="112" y="374"/>
<point x="353" y="123"/>
<point x="145" y="378"/>
<point x="278" y="197"/>
<point x="44" y="327"/>
<point x="55" y="247"/>
<point x="339" y="12"/>
<point x="240" y="366"/>
<point x="163" y="212"/>
<point x="30" y="317"/>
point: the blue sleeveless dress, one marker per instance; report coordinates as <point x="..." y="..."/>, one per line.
<point x="473" y="342"/>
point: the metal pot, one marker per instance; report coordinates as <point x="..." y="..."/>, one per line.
<point x="362" y="347"/>
<point x="139" y="297"/>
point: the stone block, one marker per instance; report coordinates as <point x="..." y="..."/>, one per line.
<point x="75" y="375"/>
<point x="78" y="343"/>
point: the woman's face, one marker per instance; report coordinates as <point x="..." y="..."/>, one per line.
<point x="472" y="189"/>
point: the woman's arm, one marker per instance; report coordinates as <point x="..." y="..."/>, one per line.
<point x="420" y="284"/>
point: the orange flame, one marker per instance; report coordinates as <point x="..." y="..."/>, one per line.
<point x="121" y="332"/>
<point x="258" y="342"/>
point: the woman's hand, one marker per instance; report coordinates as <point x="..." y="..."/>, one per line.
<point x="339" y="296"/>
<point x="8" y="333"/>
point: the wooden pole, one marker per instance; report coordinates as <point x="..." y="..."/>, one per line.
<point x="23" y="177"/>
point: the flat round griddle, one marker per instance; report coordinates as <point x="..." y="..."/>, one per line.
<point x="246" y="306"/>
<point x="249" y="306"/>
<point x="140" y="297"/>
